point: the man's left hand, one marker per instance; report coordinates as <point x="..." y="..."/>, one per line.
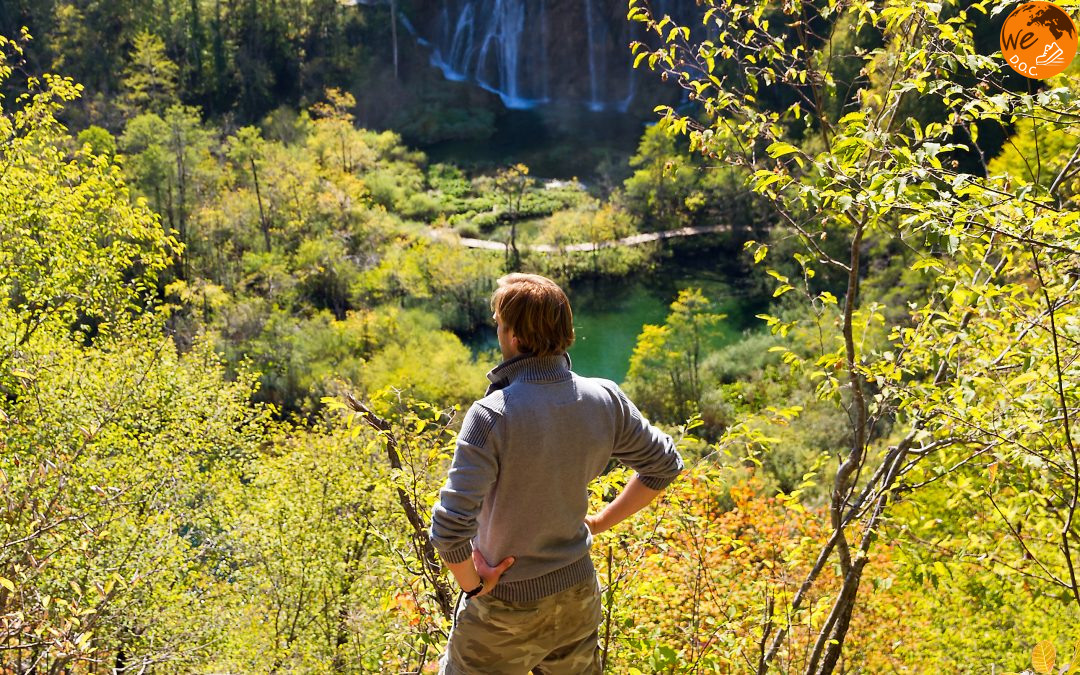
<point x="489" y="574"/>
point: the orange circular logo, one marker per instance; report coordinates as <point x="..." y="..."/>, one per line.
<point x="1038" y="39"/>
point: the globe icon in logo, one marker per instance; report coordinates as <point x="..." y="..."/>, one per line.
<point x="1038" y="40"/>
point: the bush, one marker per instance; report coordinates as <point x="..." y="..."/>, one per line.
<point x="739" y="360"/>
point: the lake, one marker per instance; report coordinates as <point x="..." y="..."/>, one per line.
<point x="610" y="313"/>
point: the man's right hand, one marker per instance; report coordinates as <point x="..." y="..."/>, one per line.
<point x="634" y="497"/>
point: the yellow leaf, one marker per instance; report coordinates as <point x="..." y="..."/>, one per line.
<point x="1074" y="663"/>
<point x="993" y="472"/>
<point x="6" y="583"/>
<point x="1042" y="657"/>
<point x="1022" y="379"/>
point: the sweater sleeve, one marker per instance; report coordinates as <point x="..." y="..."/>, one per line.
<point x="644" y="448"/>
<point x="473" y="471"/>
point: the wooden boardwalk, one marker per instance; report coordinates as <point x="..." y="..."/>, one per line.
<point x="634" y="240"/>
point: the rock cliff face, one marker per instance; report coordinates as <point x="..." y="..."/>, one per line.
<point x="533" y="52"/>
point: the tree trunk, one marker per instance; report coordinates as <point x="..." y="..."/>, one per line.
<point x="342" y="637"/>
<point x="262" y="215"/>
<point x="181" y="185"/>
<point x="393" y="34"/>
<point x="515" y="255"/>
<point x="832" y="640"/>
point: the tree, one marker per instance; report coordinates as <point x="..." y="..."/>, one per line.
<point x="244" y="148"/>
<point x="665" y="368"/>
<point x="599" y="227"/>
<point x="73" y="247"/>
<point x="101" y="142"/>
<point x="149" y="83"/>
<point x="663" y="182"/>
<point x="89" y="40"/>
<point x="950" y="377"/>
<point x="334" y="131"/>
<point x="108" y="541"/>
<point x="112" y="529"/>
<point x="166" y="155"/>
<point x="305" y="535"/>
<point x="512" y="183"/>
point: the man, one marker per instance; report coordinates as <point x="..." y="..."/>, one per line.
<point x="517" y="491"/>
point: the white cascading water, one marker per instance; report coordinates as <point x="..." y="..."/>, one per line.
<point x="483" y="41"/>
<point x="503" y="46"/>
<point x="591" y="22"/>
<point x="461" y="43"/>
<point x="503" y="43"/>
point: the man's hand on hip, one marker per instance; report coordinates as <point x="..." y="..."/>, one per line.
<point x="634" y="497"/>
<point x="490" y="575"/>
<point x="593" y="523"/>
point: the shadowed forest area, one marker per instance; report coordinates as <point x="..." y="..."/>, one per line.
<point x="239" y="329"/>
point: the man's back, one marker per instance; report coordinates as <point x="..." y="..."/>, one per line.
<point x="527" y="452"/>
<point x="517" y="487"/>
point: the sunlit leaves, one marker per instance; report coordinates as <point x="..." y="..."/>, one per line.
<point x="71" y="242"/>
<point x="134" y="478"/>
<point x="1042" y="657"/>
<point x="665" y="368"/>
<point x="150" y="80"/>
<point x="978" y="352"/>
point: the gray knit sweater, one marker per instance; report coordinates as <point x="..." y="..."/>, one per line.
<point x="525" y="456"/>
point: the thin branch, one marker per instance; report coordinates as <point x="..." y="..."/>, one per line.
<point x="1067" y="528"/>
<point x="1023" y="545"/>
<point x="421" y="540"/>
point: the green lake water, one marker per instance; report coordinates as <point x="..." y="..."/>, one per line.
<point x="610" y="313"/>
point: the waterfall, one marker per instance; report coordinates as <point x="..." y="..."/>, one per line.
<point x="534" y="52"/>
<point x="486" y="42"/>
<point x="590" y="31"/>
<point x="460" y="44"/>
<point x="502" y="42"/>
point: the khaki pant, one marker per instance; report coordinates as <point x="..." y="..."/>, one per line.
<point x="556" y="635"/>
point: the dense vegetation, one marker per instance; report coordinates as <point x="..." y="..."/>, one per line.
<point x="240" y="60"/>
<point x="198" y="269"/>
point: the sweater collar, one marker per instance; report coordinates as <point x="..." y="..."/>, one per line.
<point x="529" y="368"/>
